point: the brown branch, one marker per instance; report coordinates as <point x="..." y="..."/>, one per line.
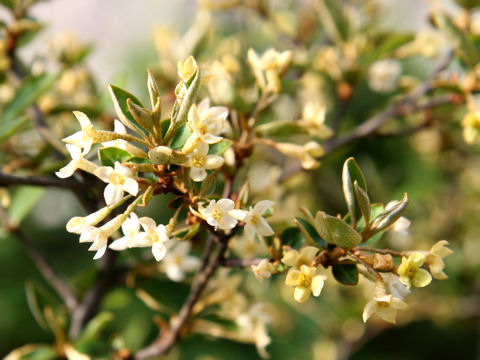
<point x="44" y="181"/>
<point x="239" y="263"/>
<point x="169" y="337"/>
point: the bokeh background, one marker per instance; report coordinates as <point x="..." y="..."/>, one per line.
<point x="440" y="174"/>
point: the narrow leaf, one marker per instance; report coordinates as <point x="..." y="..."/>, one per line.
<point x="220" y="147"/>
<point x="336" y="231"/>
<point x="310" y="233"/>
<point x="387" y="218"/>
<point x="346" y="274"/>
<point x="363" y="202"/>
<point x="292" y="237"/>
<point x="352" y="172"/>
<point x="119" y="99"/>
<point x="109" y="155"/>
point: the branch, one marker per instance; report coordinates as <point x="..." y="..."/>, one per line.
<point x="168" y="339"/>
<point x="239" y="263"/>
<point x="45" y="181"/>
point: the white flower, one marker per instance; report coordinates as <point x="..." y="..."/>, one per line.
<point x="305" y="153"/>
<point x="199" y="162"/>
<point x="119" y="128"/>
<point x="253" y="323"/>
<point x="383" y="75"/>
<point x="131" y="230"/>
<point x="84" y="138"/>
<point x="217" y="214"/>
<point x="155" y="236"/>
<point x="385" y="306"/>
<point x="263" y="270"/>
<point x="269" y="67"/>
<point x="395" y="286"/>
<point x="78" y="162"/>
<point x="76" y="224"/>
<point x="254" y="222"/>
<point x="119" y="179"/>
<point x="313" y="120"/>
<point x="177" y="262"/>
<point x="207" y="122"/>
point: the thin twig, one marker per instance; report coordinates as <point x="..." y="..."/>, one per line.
<point x="44" y="181"/>
<point x="239" y="263"/>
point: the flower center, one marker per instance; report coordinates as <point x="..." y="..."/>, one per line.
<point x="117" y="179"/>
<point x="304" y="281"/>
<point x="217" y="214"/>
<point x="153" y="236"/>
<point x="199" y="160"/>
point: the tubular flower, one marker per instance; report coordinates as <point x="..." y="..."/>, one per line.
<point x="263" y="270"/>
<point x="305" y="153"/>
<point x="131" y="230"/>
<point x="177" y="262"/>
<point x="119" y="179"/>
<point x="306" y="281"/>
<point x="410" y="272"/>
<point x="385" y="306"/>
<point x="206" y="123"/>
<point x="253" y="323"/>
<point x="269" y="68"/>
<point x="78" y="162"/>
<point x="217" y="214"/>
<point x="383" y="75"/>
<point x="313" y="120"/>
<point x="154" y="236"/>
<point x="86" y="137"/>
<point x="434" y="259"/>
<point x="254" y="222"/>
<point x="199" y="161"/>
<point x="297" y="259"/>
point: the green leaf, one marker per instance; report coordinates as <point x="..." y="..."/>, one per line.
<point x="346" y="274"/>
<point x="375" y="210"/>
<point x="119" y="98"/>
<point x="31" y="89"/>
<point x="310" y="233"/>
<point x="292" y="237"/>
<point x="363" y="201"/>
<point x="164" y="125"/>
<point x="139" y="160"/>
<point x="462" y="43"/>
<point x="333" y="20"/>
<point x="387" y="218"/>
<point x="208" y="185"/>
<point x="280" y="128"/>
<point x="96" y="326"/>
<point x="8" y="129"/>
<point x="8" y="3"/>
<point x="220" y="147"/>
<point x="109" y="155"/>
<point x="387" y="45"/>
<point x="37" y="299"/>
<point x="23" y="201"/>
<point x="180" y="137"/>
<point x="351" y="173"/>
<point x="336" y="231"/>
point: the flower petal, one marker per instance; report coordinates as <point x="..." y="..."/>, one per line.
<point x="301" y="294"/>
<point x="293" y="277"/>
<point x="421" y="278"/>
<point x="100" y="252"/>
<point x="67" y="170"/>
<point x="264" y="228"/>
<point x="198" y="174"/>
<point x="104" y="173"/>
<point x="262" y="206"/>
<point x="317" y="284"/>
<point x="210" y="138"/>
<point x="159" y="250"/>
<point x="82" y="119"/>
<point x="119" y="244"/>
<point x="113" y="194"/>
<point x="131" y="186"/>
<point x="213" y="162"/>
<point x="148" y="224"/>
<point x="369" y="309"/>
<point x="249" y="232"/>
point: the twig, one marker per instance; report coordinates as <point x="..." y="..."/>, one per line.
<point x="168" y="339"/>
<point x="239" y="263"/>
<point x="44" y="181"/>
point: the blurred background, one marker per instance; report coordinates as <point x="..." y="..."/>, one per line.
<point x="438" y="170"/>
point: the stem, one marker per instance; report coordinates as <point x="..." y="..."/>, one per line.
<point x="45" y="181"/>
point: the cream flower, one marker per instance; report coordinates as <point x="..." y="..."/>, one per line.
<point x="263" y="270"/>
<point x="410" y="272"/>
<point x="313" y="120"/>
<point x="297" y="259"/>
<point x="154" y="236"/>
<point x="385" y="306"/>
<point x="434" y="259"/>
<point x="119" y="179"/>
<point x="217" y="214"/>
<point x="84" y="138"/>
<point x="199" y="161"/>
<point x="395" y="286"/>
<point x="131" y="230"/>
<point x="306" y="281"/>
<point x="269" y="68"/>
<point x="177" y="262"/>
<point x="383" y="75"/>
<point x="253" y="323"/>
<point x="78" y="162"/>
<point x="305" y="153"/>
<point x="254" y="222"/>
<point x="206" y="122"/>
<point x="76" y="224"/>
